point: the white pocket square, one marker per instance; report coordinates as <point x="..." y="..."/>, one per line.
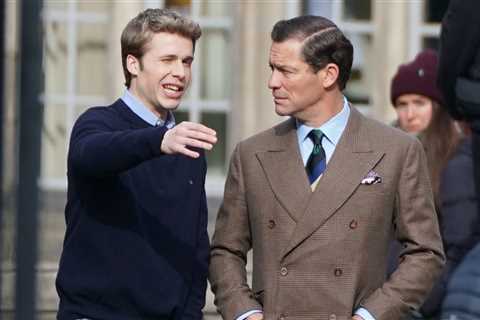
<point x="371" y="178"/>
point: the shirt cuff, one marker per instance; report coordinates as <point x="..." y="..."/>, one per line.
<point x="362" y="312"/>
<point x="247" y="314"/>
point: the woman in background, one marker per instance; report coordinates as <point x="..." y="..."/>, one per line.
<point x="421" y="111"/>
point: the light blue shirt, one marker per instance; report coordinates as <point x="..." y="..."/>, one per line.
<point x="333" y="130"/>
<point x="146" y="114"/>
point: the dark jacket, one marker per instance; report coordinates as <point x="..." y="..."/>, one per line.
<point x="458" y="217"/>
<point x="136" y="244"/>
<point x="460" y="55"/>
<point x="462" y="301"/>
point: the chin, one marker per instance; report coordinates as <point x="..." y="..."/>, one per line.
<point x="282" y="111"/>
<point x="170" y="105"/>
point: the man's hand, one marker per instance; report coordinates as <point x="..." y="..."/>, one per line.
<point x="255" y="316"/>
<point x="357" y="317"/>
<point x="188" y="134"/>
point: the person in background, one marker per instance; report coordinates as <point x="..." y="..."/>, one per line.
<point x="136" y="244"/>
<point x="421" y="111"/>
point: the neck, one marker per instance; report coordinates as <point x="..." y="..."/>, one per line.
<point x="158" y="111"/>
<point x="324" y="110"/>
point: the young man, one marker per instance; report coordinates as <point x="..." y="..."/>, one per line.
<point x="317" y="198"/>
<point x="136" y="245"/>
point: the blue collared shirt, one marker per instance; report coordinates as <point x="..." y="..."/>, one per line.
<point x="332" y="129"/>
<point x="146" y="114"/>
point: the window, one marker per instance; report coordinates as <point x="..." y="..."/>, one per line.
<point x="76" y="74"/>
<point x="426" y="17"/>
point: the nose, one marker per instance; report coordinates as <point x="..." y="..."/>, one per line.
<point x="274" y="81"/>
<point x="178" y="69"/>
<point x="410" y="112"/>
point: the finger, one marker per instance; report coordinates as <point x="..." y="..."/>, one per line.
<point x="197" y="135"/>
<point x="197" y="143"/>
<point x="188" y="152"/>
<point x="200" y="127"/>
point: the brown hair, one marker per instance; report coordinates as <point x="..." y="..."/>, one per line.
<point x="140" y="30"/>
<point x="440" y="141"/>
<point x="323" y="43"/>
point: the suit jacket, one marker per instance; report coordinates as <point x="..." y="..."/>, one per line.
<point x="322" y="254"/>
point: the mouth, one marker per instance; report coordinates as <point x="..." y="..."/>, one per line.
<point x="279" y="100"/>
<point x="173" y="90"/>
<point x="278" y="97"/>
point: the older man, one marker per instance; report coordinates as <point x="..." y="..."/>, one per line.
<point x="318" y="197"/>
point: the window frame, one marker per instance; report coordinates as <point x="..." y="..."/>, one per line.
<point x="72" y="17"/>
<point x="420" y="28"/>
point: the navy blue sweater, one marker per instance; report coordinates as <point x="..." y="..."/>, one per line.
<point x="136" y="245"/>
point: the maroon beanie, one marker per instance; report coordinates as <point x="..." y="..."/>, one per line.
<point x="417" y="77"/>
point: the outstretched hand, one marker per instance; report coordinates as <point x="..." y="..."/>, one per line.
<point x="188" y="134"/>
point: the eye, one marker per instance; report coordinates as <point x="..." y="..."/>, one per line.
<point x="167" y="60"/>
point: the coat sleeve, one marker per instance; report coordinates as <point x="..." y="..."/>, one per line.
<point x="97" y="149"/>
<point x="230" y="244"/>
<point x="421" y="255"/>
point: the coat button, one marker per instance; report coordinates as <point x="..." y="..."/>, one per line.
<point x="283" y="271"/>
<point x="332" y="317"/>
<point x="271" y="224"/>
<point x="353" y="224"/>
<point x="338" y="272"/>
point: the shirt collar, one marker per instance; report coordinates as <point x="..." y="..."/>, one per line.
<point x="332" y="129"/>
<point x="144" y="113"/>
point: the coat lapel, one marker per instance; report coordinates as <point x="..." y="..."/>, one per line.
<point x="284" y="170"/>
<point x="352" y="160"/>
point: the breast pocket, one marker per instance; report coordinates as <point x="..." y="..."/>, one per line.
<point x="372" y="188"/>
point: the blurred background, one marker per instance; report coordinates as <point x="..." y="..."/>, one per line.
<point x="59" y="57"/>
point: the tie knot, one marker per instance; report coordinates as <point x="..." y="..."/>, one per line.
<point x="316" y="135"/>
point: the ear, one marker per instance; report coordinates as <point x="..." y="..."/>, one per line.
<point x="133" y="65"/>
<point x="330" y="75"/>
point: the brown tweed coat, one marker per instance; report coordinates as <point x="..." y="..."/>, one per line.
<point x="323" y="254"/>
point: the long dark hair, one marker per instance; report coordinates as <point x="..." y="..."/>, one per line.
<point x="440" y="141"/>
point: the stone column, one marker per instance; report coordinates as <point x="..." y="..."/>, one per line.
<point x="122" y="13"/>
<point x="252" y="104"/>
<point x="10" y="143"/>
<point x="390" y="50"/>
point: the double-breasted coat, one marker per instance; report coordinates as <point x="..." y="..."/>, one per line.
<point x="322" y="254"/>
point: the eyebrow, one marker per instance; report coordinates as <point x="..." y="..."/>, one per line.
<point x="173" y="56"/>
<point x="281" y="67"/>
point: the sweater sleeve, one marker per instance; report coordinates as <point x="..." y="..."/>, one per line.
<point x="196" y="300"/>
<point x="98" y="149"/>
